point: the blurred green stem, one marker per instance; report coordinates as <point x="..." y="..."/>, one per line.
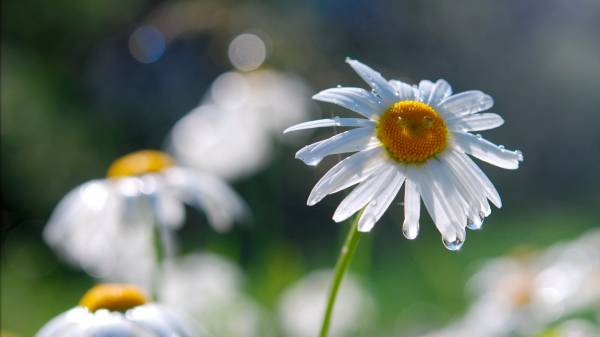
<point x="163" y="254"/>
<point x="341" y="267"/>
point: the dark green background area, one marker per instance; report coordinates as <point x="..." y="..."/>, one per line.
<point x="73" y="99"/>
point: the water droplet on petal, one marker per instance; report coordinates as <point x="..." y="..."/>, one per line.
<point x="410" y="232"/>
<point x="337" y="119"/>
<point x="479" y="136"/>
<point x="373" y="203"/>
<point x="475" y="223"/>
<point x="519" y="154"/>
<point x="454" y="244"/>
<point x="338" y="86"/>
<point x="501" y="147"/>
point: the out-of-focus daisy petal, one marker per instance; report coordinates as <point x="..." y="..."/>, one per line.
<point x="221" y="204"/>
<point x="169" y="210"/>
<point x="107" y="227"/>
<point x="348" y="141"/>
<point x="487" y="151"/>
<point x="115" y="312"/>
<point x="302" y="304"/>
<point x="355" y="99"/>
<point x="337" y="121"/>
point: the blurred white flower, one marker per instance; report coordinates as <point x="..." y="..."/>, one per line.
<point x="119" y="311"/>
<point x="230" y="133"/>
<point x="302" y="305"/>
<point x="208" y="288"/>
<point x="524" y="294"/>
<point x="106" y="226"/>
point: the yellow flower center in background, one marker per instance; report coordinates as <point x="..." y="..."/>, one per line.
<point x="139" y="163"/>
<point x="113" y="297"/>
<point x="412" y="132"/>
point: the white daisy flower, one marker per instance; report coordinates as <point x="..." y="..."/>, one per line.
<point x="523" y="295"/>
<point x="106" y="226"/>
<point x="218" y="302"/>
<point x="302" y="304"/>
<point x="418" y="136"/>
<point x="120" y="311"/>
<point x="231" y="133"/>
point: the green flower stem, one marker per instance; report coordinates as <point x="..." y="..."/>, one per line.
<point x="163" y="255"/>
<point x="341" y="267"/>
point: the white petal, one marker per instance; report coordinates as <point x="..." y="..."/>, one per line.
<point x="381" y="202"/>
<point x="432" y="204"/>
<point x="169" y="210"/>
<point x="375" y="80"/>
<point x="441" y="203"/>
<point x="456" y="205"/>
<point x="475" y="204"/>
<point x="355" y="99"/>
<point x="363" y="193"/>
<point x="404" y="91"/>
<point x="465" y="103"/>
<point x="337" y="121"/>
<point x="349" y="141"/>
<point x="475" y="122"/>
<point x="425" y="89"/>
<point x="412" y="209"/>
<point x="467" y="165"/>
<point x="209" y="193"/>
<point x="440" y="91"/>
<point x="352" y="170"/>
<point x="487" y="151"/>
<point x="468" y="183"/>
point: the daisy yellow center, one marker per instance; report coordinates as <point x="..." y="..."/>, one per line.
<point x="412" y="132"/>
<point x="139" y="163"/>
<point x="113" y="297"/>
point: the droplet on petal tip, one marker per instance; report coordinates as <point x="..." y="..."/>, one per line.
<point x="453" y="244"/>
<point x="410" y="232"/>
<point x="475" y="223"/>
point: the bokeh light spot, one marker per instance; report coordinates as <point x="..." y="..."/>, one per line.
<point x="147" y="44"/>
<point x="247" y="52"/>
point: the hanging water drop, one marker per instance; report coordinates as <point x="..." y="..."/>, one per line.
<point x="453" y="245"/>
<point x="475" y="223"/>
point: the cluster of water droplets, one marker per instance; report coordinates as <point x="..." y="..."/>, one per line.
<point x="502" y="149"/>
